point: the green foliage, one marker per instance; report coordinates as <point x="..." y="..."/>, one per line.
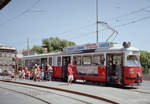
<point x="52" y="45"/>
<point x="38" y="49"/>
<point x="145" y="61"/>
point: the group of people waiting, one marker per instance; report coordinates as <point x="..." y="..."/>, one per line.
<point x="36" y="73"/>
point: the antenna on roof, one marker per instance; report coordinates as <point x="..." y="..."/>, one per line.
<point x="96" y="21"/>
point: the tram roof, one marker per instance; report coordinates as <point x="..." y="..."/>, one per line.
<point x="100" y="47"/>
<point x="40" y="55"/>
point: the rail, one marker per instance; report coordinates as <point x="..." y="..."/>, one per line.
<point x="65" y="90"/>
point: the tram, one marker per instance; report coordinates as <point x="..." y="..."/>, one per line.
<point x="103" y="62"/>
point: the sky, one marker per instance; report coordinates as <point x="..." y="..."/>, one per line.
<point x="75" y="20"/>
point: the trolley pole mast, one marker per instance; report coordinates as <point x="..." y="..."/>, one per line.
<point x="96" y="21"/>
<point x="28" y="46"/>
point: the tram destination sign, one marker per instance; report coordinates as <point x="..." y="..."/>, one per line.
<point x="88" y="46"/>
<point x="75" y="48"/>
<point x="104" y="45"/>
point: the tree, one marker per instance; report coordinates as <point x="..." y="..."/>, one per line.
<point x="38" y="49"/>
<point x="145" y="61"/>
<point x="46" y="43"/>
<point x="52" y="45"/>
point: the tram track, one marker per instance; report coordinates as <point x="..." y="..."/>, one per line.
<point x="26" y="95"/>
<point x="143" y="92"/>
<point x="65" y="90"/>
<point x="49" y="92"/>
<point x="136" y="90"/>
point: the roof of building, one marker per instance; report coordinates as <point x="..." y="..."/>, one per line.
<point x="7" y="47"/>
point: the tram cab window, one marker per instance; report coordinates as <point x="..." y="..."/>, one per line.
<point x="77" y="60"/>
<point x="87" y="60"/>
<point x="98" y="59"/>
<point x="58" y="61"/>
<point x="133" y="60"/>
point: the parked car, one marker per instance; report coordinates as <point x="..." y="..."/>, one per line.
<point x="5" y="73"/>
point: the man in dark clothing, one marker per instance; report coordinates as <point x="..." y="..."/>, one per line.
<point x="118" y="72"/>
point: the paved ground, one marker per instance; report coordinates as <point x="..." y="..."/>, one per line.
<point x="51" y="96"/>
<point x="10" y="97"/>
<point x="121" y="95"/>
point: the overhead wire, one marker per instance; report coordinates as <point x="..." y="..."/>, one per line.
<point x="134" y="21"/>
<point x="22" y="13"/>
<point x="130" y="13"/>
<point x="74" y="30"/>
<point x="80" y="28"/>
<point x="131" y="22"/>
<point x="83" y="35"/>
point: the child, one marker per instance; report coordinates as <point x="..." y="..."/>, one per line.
<point x="12" y="75"/>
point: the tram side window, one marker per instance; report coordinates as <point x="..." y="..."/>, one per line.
<point x="44" y="61"/>
<point x="98" y="59"/>
<point x="77" y="60"/>
<point x="87" y="60"/>
<point x="26" y="62"/>
<point x="50" y="61"/>
<point x="59" y="61"/>
<point x="38" y="61"/>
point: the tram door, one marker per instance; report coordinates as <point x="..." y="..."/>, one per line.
<point x="65" y="61"/>
<point x="114" y="65"/>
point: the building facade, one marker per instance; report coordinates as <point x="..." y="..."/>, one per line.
<point x="7" y="58"/>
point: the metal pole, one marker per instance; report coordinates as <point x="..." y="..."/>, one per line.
<point x="28" y="46"/>
<point x="96" y="21"/>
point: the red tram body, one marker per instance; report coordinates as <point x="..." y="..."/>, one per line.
<point x="94" y="62"/>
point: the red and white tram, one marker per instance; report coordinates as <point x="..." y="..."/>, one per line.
<point x="103" y="62"/>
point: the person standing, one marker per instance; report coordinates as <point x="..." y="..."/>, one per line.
<point x="12" y="75"/>
<point x="35" y="73"/>
<point x="118" y="72"/>
<point x="20" y="74"/>
<point x="42" y="75"/>
<point x="23" y="74"/>
<point x="49" y="72"/>
<point x="70" y="74"/>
